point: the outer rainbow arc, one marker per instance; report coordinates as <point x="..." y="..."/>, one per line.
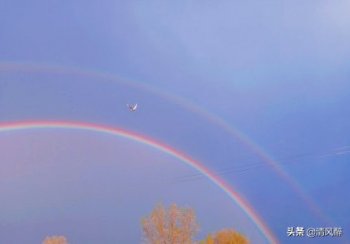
<point x="242" y="203"/>
<point x="32" y="67"/>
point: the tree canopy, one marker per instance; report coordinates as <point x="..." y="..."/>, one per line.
<point x="55" y="240"/>
<point x="175" y="225"/>
<point x="226" y="236"/>
<point x="170" y="226"/>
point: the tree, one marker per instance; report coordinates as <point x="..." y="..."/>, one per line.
<point x="226" y="236"/>
<point x="55" y="240"/>
<point x="170" y="226"/>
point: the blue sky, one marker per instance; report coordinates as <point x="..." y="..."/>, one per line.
<point x="277" y="72"/>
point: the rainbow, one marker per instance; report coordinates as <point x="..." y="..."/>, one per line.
<point x="242" y="203"/>
<point x="184" y="103"/>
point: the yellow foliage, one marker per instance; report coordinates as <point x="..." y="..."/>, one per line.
<point x="226" y="237"/>
<point x="170" y="226"/>
<point x="55" y="240"/>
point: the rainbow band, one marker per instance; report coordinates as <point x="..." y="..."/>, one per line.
<point x="214" y="119"/>
<point x="264" y="229"/>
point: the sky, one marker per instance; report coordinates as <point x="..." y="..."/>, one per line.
<point x="255" y="91"/>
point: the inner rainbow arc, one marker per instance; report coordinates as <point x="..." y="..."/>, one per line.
<point x="77" y="125"/>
